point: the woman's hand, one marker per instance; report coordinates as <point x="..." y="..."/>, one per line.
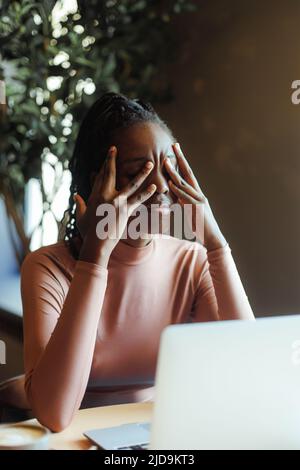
<point x="123" y="203"/>
<point x="188" y="191"/>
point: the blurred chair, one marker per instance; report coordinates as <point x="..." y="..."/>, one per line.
<point x="13" y="401"/>
<point x="10" y="295"/>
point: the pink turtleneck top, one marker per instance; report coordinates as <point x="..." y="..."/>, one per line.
<point x="91" y="334"/>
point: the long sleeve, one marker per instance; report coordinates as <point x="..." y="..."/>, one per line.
<point x="220" y="294"/>
<point x="59" y="335"/>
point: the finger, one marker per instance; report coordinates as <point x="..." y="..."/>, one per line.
<point x="186" y="198"/>
<point x="80" y="206"/>
<point x="181" y="183"/>
<point x="185" y="168"/>
<point x="137" y="199"/>
<point x="172" y="171"/>
<point x="110" y="170"/>
<point x="138" y="180"/>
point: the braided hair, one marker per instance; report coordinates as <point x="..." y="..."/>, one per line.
<point x="110" y="113"/>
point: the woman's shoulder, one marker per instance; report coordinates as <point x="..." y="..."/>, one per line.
<point x="54" y="256"/>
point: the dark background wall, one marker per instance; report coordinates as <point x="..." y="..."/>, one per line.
<point x="234" y="118"/>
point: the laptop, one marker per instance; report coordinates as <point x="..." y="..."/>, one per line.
<point x="221" y="385"/>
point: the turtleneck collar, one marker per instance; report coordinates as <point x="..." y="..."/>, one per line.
<point x="128" y="254"/>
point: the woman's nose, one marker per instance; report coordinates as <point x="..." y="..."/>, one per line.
<point x="159" y="177"/>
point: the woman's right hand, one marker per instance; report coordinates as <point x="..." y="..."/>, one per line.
<point x="124" y="202"/>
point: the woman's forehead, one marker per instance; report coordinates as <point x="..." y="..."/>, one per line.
<point x="143" y="140"/>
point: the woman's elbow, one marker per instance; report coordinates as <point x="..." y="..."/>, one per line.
<point x="55" y="418"/>
<point x="56" y="422"/>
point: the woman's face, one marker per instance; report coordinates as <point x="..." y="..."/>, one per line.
<point x="136" y="145"/>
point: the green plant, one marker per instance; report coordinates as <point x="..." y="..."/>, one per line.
<point x="53" y="67"/>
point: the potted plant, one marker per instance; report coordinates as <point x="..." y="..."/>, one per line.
<point x="55" y="56"/>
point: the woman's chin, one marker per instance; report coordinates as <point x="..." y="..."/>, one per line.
<point x="153" y="222"/>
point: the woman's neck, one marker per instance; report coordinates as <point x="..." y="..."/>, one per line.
<point x="139" y="243"/>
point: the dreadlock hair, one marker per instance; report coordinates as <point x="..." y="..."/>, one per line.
<point x="110" y="113"/>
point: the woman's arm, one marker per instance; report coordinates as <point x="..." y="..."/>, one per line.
<point x="220" y="294"/>
<point x="60" y="331"/>
<point x="59" y="335"/>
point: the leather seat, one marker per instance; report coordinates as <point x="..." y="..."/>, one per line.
<point x="14" y="405"/>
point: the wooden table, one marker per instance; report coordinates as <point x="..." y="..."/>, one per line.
<point x="103" y="417"/>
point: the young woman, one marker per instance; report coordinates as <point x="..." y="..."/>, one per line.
<point x="94" y="307"/>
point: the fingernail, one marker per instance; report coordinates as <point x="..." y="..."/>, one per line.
<point x="149" y="165"/>
<point x="152" y="187"/>
<point x="177" y="145"/>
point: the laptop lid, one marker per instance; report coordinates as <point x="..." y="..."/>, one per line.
<point x="228" y="385"/>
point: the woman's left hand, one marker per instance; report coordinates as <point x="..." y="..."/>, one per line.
<point x="187" y="190"/>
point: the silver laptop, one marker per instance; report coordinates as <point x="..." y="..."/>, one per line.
<point x="223" y="385"/>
